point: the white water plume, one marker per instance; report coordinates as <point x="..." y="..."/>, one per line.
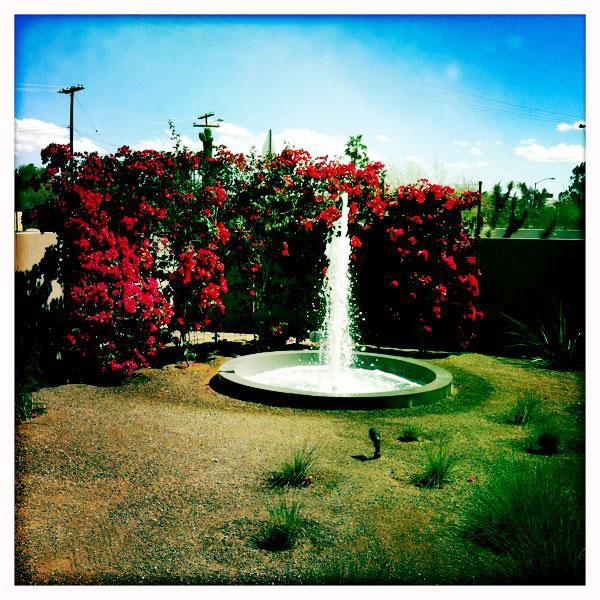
<point x="337" y="344"/>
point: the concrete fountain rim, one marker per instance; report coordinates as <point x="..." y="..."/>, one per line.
<point x="437" y="382"/>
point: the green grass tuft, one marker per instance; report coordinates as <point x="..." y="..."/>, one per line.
<point x="439" y="466"/>
<point x="532" y="515"/>
<point x="284" y="525"/>
<point x="545" y="439"/>
<point x="525" y="410"/>
<point x="410" y="433"/>
<point x="296" y="473"/>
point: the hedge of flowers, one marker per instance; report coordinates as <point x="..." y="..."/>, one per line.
<point x="147" y="240"/>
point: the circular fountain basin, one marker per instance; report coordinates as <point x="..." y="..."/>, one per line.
<point x="295" y="378"/>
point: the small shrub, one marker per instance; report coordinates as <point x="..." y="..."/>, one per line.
<point x="551" y="342"/>
<point x="439" y="466"/>
<point x="23" y="403"/>
<point x="284" y="525"/>
<point x="525" y="410"/>
<point x="545" y="439"/>
<point x="410" y="433"/>
<point x="296" y="473"/>
<point x="532" y="514"/>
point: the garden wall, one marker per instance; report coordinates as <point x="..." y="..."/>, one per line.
<point x="524" y="278"/>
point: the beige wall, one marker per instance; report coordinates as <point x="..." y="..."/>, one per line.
<point x="30" y="247"/>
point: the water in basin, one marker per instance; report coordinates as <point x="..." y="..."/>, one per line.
<point x="343" y="380"/>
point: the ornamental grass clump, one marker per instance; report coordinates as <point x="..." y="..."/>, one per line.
<point x="284" y="525"/>
<point x="544" y="439"/>
<point x="296" y="473"/>
<point x="440" y="464"/>
<point x="525" y="410"/>
<point x="410" y="433"/>
<point x="532" y="515"/>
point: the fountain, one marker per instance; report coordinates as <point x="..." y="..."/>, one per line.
<point x="336" y="376"/>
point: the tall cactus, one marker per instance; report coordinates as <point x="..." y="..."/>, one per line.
<point x="207" y="141"/>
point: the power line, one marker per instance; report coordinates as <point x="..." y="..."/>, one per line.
<point x="39" y="90"/>
<point x="93" y="125"/>
<point x="93" y="137"/>
<point x="45" y="85"/>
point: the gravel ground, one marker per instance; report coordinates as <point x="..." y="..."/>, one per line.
<point x="164" y="480"/>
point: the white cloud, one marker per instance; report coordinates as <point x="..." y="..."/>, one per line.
<point x="480" y="164"/>
<point x="527" y="142"/>
<point x="568" y="127"/>
<point x="382" y="138"/>
<point x="475" y="151"/>
<point x="32" y="135"/>
<point x="573" y="153"/>
<point x="166" y="144"/>
<point x="498" y="143"/>
<point x="236" y="138"/>
<point x="458" y="165"/>
<point x="461" y="144"/>
<point x="239" y="139"/>
<point x="317" y="144"/>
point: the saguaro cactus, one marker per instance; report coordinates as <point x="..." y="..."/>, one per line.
<point x="207" y="141"/>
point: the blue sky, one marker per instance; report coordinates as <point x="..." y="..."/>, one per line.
<point x="455" y="98"/>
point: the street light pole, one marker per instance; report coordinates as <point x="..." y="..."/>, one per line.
<point x="535" y="186"/>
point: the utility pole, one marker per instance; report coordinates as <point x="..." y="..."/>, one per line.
<point x="71" y="91"/>
<point x="478" y="225"/>
<point x="207" y="143"/>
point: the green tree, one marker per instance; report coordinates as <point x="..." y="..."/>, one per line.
<point x="28" y="190"/>
<point x="571" y="202"/>
<point x="356" y="151"/>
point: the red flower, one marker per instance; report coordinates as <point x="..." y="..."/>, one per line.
<point x="356" y="243"/>
<point x="449" y="260"/>
<point x="284" y="251"/>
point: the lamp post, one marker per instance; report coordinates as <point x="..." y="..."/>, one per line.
<point x="535" y="186"/>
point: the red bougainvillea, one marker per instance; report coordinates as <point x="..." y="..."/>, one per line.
<point x="149" y="240"/>
<point x="137" y="236"/>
